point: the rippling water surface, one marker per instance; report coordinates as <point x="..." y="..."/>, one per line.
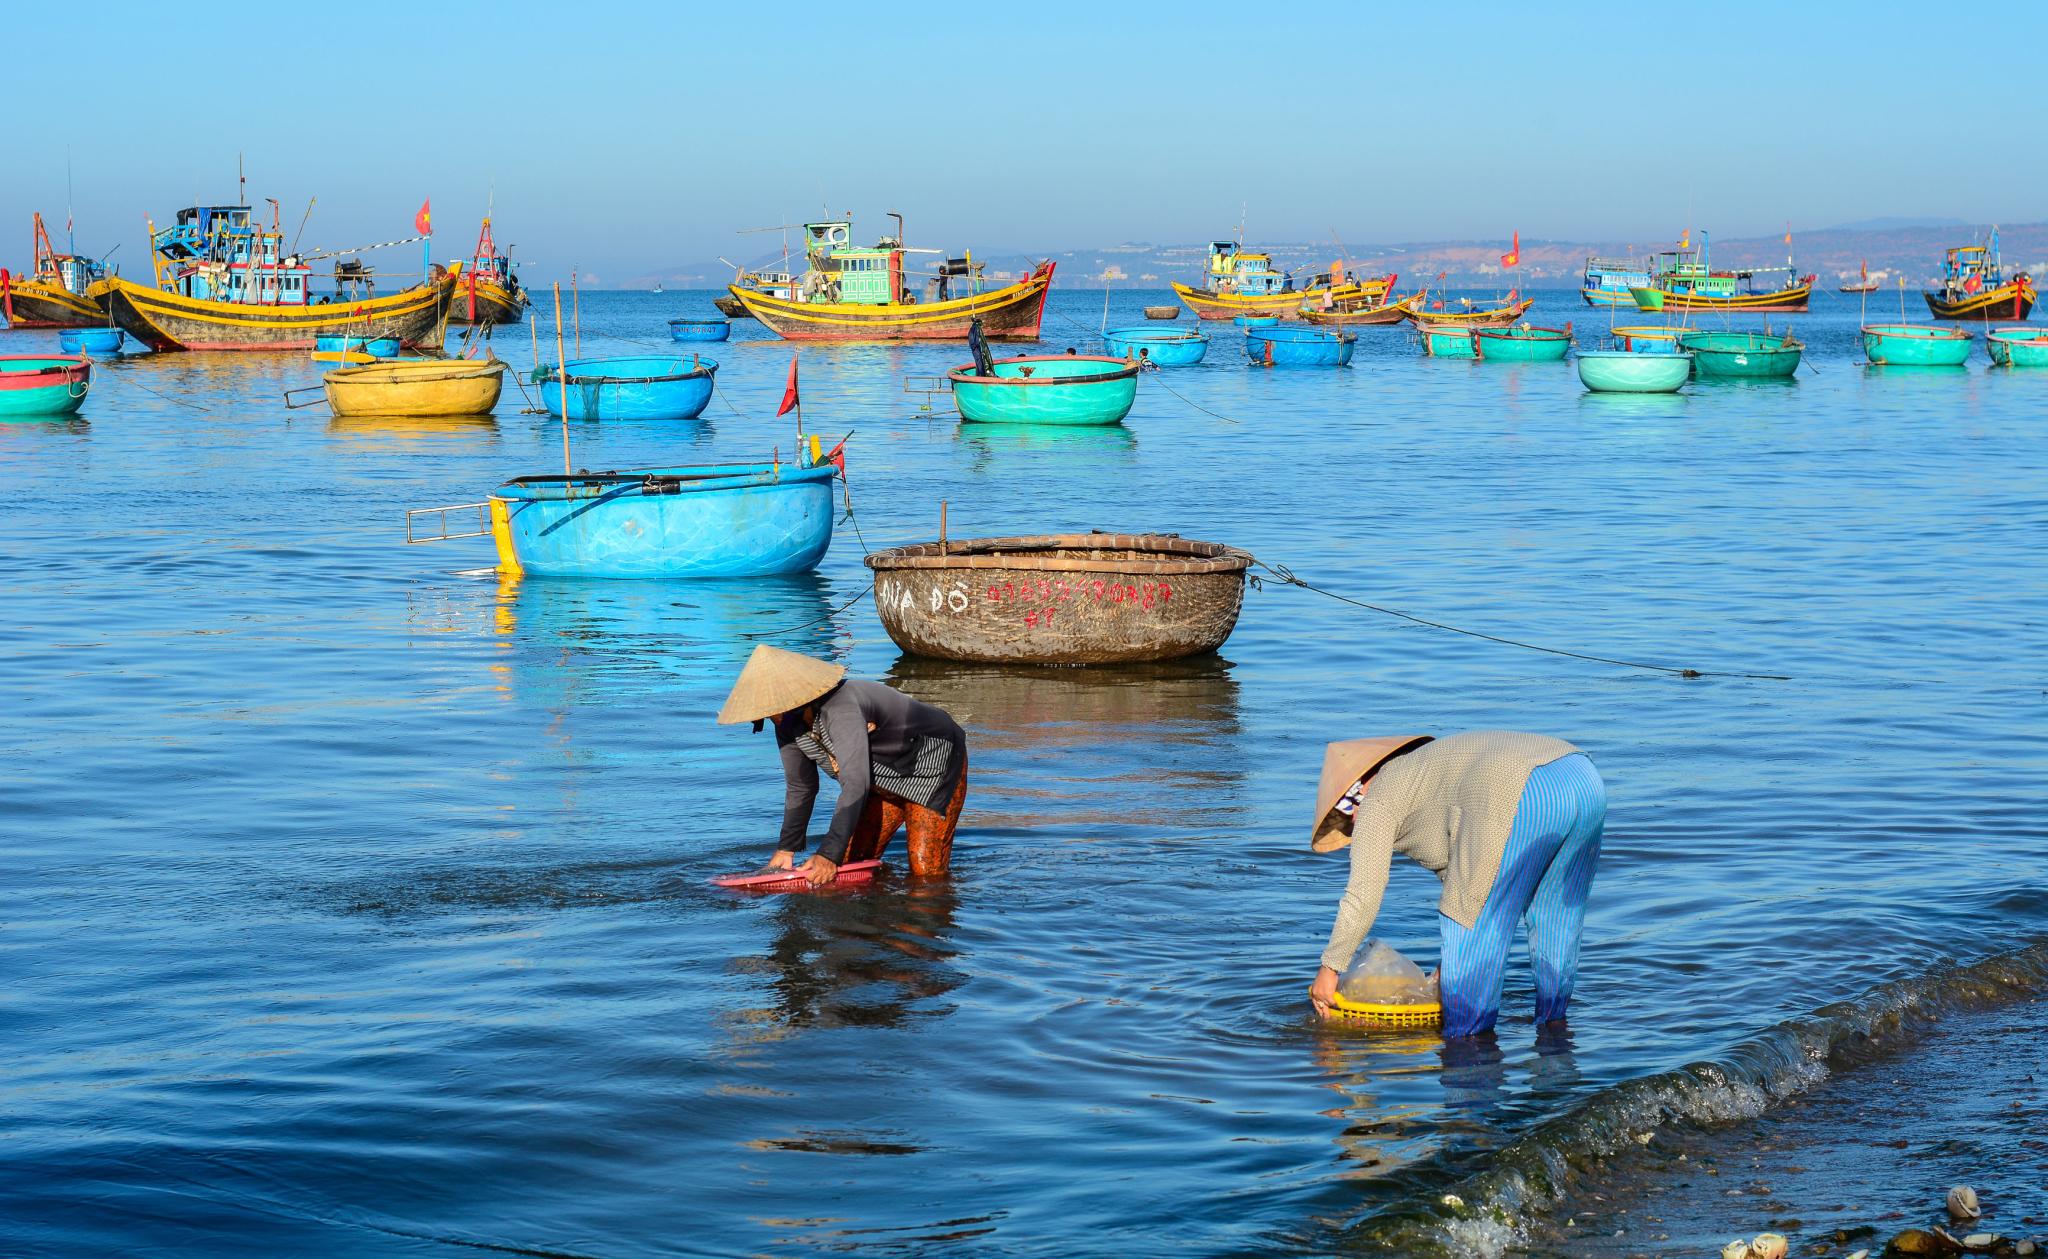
<point x="355" y="902"/>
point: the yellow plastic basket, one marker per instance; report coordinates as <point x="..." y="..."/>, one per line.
<point x="1375" y="1016"/>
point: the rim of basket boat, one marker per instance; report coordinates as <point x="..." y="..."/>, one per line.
<point x="715" y="319"/>
<point x="1151" y="334"/>
<point x="1523" y="334"/>
<point x="1933" y="332"/>
<point x="1177" y="556"/>
<point x="684" y="472"/>
<point x="705" y="367"/>
<point x="48" y="363"/>
<point x="449" y="369"/>
<point x="965" y="373"/>
<point x="1284" y="332"/>
<point x="2014" y="335"/>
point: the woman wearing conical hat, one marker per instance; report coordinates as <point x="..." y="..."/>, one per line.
<point x="1510" y="822"/>
<point x="899" y="763"/>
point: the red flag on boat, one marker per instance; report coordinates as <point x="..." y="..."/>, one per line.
<point x="790" y="401"/>
<point x="1513" y="257"/>
<point x="837" y="456"/>
<point x="423" y="222"/>
<point x="1974" y="283"/>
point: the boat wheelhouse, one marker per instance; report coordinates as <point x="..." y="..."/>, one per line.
<point x="1684" y="279"/>
<point x="489" y="290"/>
<point x="1238" y="281"/>
<point x="1610" y="281"/>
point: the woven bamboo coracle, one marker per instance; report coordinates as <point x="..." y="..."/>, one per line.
<point x="1072" y="599"/>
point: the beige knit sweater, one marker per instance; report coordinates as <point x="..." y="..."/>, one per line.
<point x="1449" y="804"/>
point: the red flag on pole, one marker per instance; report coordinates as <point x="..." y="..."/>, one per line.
<point x="1513" y="257"/>
<point x="423" y="222"/>
<point x="789" y="395"/>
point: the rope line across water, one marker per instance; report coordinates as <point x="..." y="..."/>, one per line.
<point x="1282" y="573"/>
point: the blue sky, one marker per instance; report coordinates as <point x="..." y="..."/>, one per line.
<point x="628" y="138"/>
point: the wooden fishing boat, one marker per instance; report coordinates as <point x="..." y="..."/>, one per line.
<point x="90" y="340"/>
<point x="2017" y="347"/>
<point x="1742" y="355"/>
<point x="1447" y="340"/>
<point x="36" y="386"/>
<point x="1299" y="347"/>
<point x="415" y="388"/>
<point x="1915" y="345"/>
<point x="864" y="294"/>
<point x="1165" y="347"/>
<point x="1060" y="599"/>
<point x="1238" y="281"/>
<point x="1523" y="344"/>
<point x="56" y="293"/>
<point x="1974" y="286"/>
<point x="1366" y="315"/>
<point x="699" y="329"/>
<point x="731" y="307"/>
<point x="1684" y="279"/>
<point x="718" y="520"/>
<point x="632" y="387"/>
<point x="1162" y="312"/>
<point x="1063" y="389"/>
<point x="1612" y="281"/>
<point x="487" y="290"/>
<point x="1621" y="371"/>
<point x="1480" y="317"/>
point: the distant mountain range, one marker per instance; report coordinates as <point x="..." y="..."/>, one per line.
<point x="1892" y="247"/>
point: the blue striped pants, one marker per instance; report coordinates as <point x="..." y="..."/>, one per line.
<point x="1545" y="875"/>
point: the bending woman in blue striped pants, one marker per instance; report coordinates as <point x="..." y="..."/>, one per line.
<point x="1510" y="822"/>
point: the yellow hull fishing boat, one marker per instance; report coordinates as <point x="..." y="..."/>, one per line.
<point x="416" y="388"/>
<point x="1240" y="282"/>
<point x="1483" y="317"/>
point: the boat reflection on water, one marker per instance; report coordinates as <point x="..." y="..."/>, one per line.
<point x="1053" y="448"/>
<point x="1632" y="406"/>
<point x="871" y="956"/>
<point x="413" y="433"/>
<point x="1147" y="746"/>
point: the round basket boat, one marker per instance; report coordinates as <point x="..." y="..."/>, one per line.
<point x="700" y="329"/>
<point x="90" y="340"/>
<point x="1067" y="599"/>
<point x="1162" y="312"/>
<point x="1166" y="347"/>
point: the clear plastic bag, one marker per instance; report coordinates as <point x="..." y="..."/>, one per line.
<point x="1382" y="975"/>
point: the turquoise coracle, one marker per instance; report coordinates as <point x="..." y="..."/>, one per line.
<point x="720" y="520"/>
<point x="646" y="387"/>
<point x="1049" y="389"/>
<point x="1168" y="347"/>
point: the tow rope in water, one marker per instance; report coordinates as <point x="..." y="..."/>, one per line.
<point x="1286" y="576"/>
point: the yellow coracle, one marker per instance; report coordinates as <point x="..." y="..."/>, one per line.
<point x="1381" y="1016"/>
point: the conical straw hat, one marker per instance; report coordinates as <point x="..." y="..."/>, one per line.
<point x="1344" y="764"/>
<point x="776" y="681"/>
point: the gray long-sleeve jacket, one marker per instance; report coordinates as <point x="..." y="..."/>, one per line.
<point x="899" y="721"/>
<point x="1449" y="804"/>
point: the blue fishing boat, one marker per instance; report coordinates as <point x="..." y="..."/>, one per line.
<point x="700" y="329"/>
<point x="1168" y="347"/>
<point x="1611" y="281"/>
<point x="717" y="520"/>
<point x="1299" y="347"/>
<point x="91" y="340"/>
<point x="643" y="387"/>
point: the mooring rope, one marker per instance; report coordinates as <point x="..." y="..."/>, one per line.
<point x="1285" y="575"/>
<point x="1155" y="376"/>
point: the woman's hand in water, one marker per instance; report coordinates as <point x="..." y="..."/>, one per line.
<point x="1323" y="991"/>
<point x="821" y="871"/>
<point x="783" y="859"/>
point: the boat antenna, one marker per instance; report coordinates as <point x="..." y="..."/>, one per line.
<point x="70" y="236"/>
<point x="241" y="182"/>
<point x="310" y="203"/>
<point x="1243" y="210"/>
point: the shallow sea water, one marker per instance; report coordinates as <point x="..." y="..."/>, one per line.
<point x="355" y="902"/>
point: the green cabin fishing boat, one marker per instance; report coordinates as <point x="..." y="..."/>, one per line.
<point x="1742" y="355"/>
<point x="2018" y="347"/>
<point x="1523" y="344"/>
<point x="1441" y="341"/>
<point x="1061" y="389"/>
<point x="1622" y="371"/>
<point x="1915" y="345"/>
